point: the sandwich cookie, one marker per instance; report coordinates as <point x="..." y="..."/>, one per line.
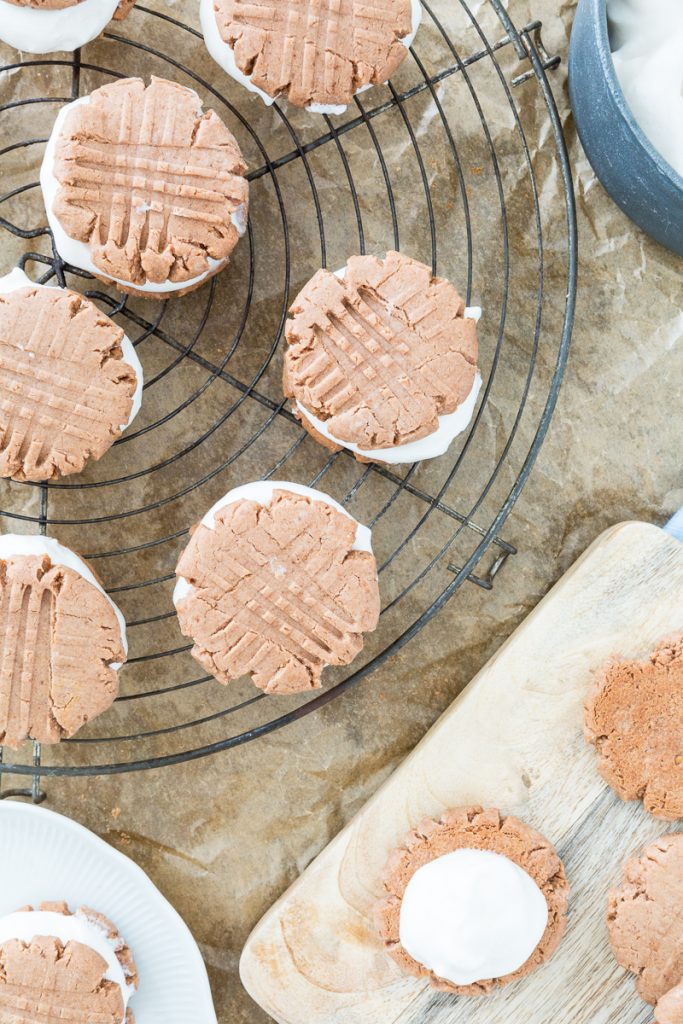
<point x="474" y="900"/>
<point x="645" y="924"/>
<point x="143" y="189"/>
<point x="634" y="717"/>
<point x="46" y="26"/>
<point x="58" y="967"/>
<point x="70" y="380"/>
<point x="63" y="642"/>
<point x="277" y="582"/>
<point x="317" y="54"/>
<point x="381" y="359"/>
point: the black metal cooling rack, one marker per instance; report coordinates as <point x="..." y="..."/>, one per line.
<point x="213" y="414"/>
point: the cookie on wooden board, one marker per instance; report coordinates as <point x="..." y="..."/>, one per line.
<point x="47" y="26"/>
<point x="645" y="922"/>
<point x="63" y="642"/>
<point x="634" y="717"/>
<point x="474" y="901"/>
<point x="57" y="966"/>
<point x="143" y="188"/>
<point x="70" y="381"/>
<point x="278" y="581"/>
<point x="317" y="55"/>
<point x="381" y="359"/>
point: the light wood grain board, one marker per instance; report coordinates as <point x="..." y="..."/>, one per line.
<point x="512" y="740"/>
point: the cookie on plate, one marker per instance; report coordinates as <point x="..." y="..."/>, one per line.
<point x="57" y="966"/>
<point x="645" y="922"/>
<point x="46" y="26"/>
<point x="381" y="359"/>
<point x="317" y="55"/>
<point x="64" y="641"/>
<point x="474" y="900"/>
<point x="143" y="189"/>
<point x="634" y="717"/>
<point x="70" y="381"/>
<point x="278" y="581"/>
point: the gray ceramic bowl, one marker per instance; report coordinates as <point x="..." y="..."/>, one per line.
<point x="644" y="185"/>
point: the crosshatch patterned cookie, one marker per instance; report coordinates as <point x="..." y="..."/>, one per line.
<point x="634" y="717"/>
<point x="382" y="359"/>
<point x="473" y="901"/>
<point x="277" y="582"/>
<point x="58" y="967"/>
<point x="143" y="188"/>
<point x="44" y="26"/>
<point x="316" y="53"/>
<point x="70" y="381"/>
<point x="63" y="642"/>
<point x="645" y="923"/>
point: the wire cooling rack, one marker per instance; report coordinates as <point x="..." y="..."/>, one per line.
<point x="461" y="159"/>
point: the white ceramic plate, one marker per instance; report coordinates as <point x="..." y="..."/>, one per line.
<point x="44" y="856"/>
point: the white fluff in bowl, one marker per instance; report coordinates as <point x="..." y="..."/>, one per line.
<point x="647" y="43"/>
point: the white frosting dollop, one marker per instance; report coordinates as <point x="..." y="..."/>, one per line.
<point x="44" y="31"/>
<point x="261" y="491"/>
<point x="18" y="279"/>
<point x="647" y="42"/>
<point x="26" y="925"/>
<point x="224" y="56"/>
<point x="78" y="253"/>
<point x="15" y="544"/>
<point x="472" y="915"/>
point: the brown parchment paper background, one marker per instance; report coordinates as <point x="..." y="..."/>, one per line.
<point x="223" y="837"/>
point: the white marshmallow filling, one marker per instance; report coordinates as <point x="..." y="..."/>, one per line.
<point x="471" y="916"/>
<point x="44" y="31"/>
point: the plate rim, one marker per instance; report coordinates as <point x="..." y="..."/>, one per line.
<point x="85" y="835"/>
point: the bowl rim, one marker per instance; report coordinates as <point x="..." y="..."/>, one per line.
<point x="604" y="49"/>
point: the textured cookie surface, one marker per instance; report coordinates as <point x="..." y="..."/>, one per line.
<point x="669" y="1009"/>
<point x="317" y="51"/>
<point x="152" y="185"/>
<point x="381" y="354"/>
<point x="47" y="982"/>
<point x="634" y="716"/>
<point x="64" y="390"/>
<point x="277" y="592"/>
<point x="476" y="829"/>
<point x="60" y="636"/>
<point x="645" y="918"/>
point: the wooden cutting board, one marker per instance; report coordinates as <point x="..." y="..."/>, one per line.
<point x="512" y="740"/>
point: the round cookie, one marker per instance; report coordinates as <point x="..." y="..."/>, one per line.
<point x="634" y="717"/>
<point x="70" y="381"/>
<point x="47" y="26"/>
<point x="143" y="189"/>
<point x="381" y="359"/>
<point x="669" y="1008"/>
<point x="316" y="55"/>
<point x="278" y="581"/>
<point x="471" y="899"/>
<point x="64" y="641"/>
<point x="58" y="966"/>
<point x="645" y="918"/>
